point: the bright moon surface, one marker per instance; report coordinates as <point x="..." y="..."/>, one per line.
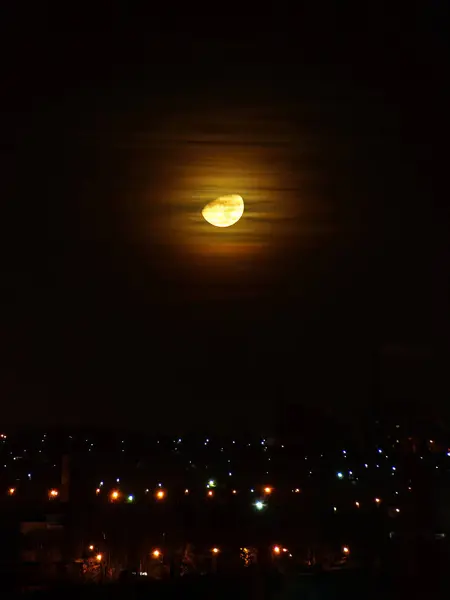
<point x="224" y="211"/>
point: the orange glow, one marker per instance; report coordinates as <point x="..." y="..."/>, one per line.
<point x="97" y="491"/>
<point x="114" y="495"/>
<point x="212" y="171"/>
<point x="53" y="493"/>
<point x="346" y="550"/>
<point x="12" y="491"/>
<point x="99" y="557"/>
<point x="268" y="490"/>
<point x="276" y="550"/>
<point x="234" y="492"/>
<point x="91" y="547"/>
<point x="160" y="494"/>
<point x="215" y="550"/>
<point x="186" y="491"/>
<point x="156" y="553"/>
<point x="357" y="504"/>
<point x="377" y="500"/>
<point x="297" y="491"/>
<point x="210" y="493"/>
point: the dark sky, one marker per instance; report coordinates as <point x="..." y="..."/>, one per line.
<point x="120" y="306"/>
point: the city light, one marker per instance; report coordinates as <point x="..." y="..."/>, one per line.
<point x="215" y="550"/>
<point x="99" y="557"/>
<point x="91" y="547"/>
<point x="156" y="553"/>
<point x="17" y="469"/>
<point x="276" y="549"/>
<point x="346" y="550"/>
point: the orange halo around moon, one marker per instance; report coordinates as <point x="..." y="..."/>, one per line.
<point x="202" y="178"/>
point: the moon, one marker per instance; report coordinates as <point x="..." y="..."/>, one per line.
<point x="224" y="211"/>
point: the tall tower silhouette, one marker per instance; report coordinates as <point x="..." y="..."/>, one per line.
<point x="65" y="478"/>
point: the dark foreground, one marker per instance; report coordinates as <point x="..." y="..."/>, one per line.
<point x="331" y="585"/>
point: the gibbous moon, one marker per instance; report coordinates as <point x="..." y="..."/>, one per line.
<point x="224" y="211"/>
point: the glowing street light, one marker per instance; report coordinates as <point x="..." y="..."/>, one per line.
<point x="215" y="551"/>
<point x="276" y="549"/>
<point x="53" y="493"/>
<point x="99" y="557"/>
<point x="210" y="494"/>
<point x="114" y="495"/>
<point x="12" y="491"/>
<point x="91" y="547"/>
<point x="346" y="550"/>
<point x="156" y="553"/>
<point x="160" y="495"/>
<point x="268" y="490"/>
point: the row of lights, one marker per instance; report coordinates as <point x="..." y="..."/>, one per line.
<point x="160" y="494"/>
<point x="52" y="494"/>
<point x="215" y="551"/>
<point x="157" y="553"/>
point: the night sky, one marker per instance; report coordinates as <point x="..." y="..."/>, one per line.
<point x="121" y="306"/>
